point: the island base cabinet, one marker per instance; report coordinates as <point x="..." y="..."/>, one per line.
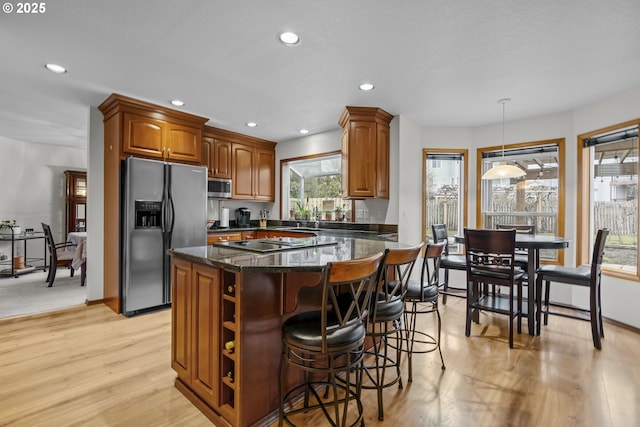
<point x="196" y="331"/>
<point x="226" y="339"/>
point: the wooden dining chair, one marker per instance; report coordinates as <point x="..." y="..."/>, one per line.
<point x="490" y="261"/>
<point x="584" y="276"/>
<point x="522" y="257"/>
<point x="58" y="255"/>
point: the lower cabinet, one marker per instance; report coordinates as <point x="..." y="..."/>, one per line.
<point x="203" y="335"/>
<point x="226" y="338"/>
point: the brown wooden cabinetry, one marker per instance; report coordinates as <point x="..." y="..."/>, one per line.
<point x="203" y="337"/>
<point x="75" y="201"/>
<point x="253" y="172"/>
<point x="202" y="322"/>
<point x="253" y="234"/>
<point x="223" y="237"/>
<point x="216" y="153"/>
<point x="249" y="162"/>
<point x="148" y="137"/>
<point x="365" y="152"/>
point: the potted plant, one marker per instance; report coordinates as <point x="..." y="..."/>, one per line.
<point x="9" y="227"/>
<point x="339" y="214"/>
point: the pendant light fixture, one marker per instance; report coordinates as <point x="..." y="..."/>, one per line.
<point x="503" y="170"/>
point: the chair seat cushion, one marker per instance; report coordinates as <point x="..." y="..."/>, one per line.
<point x="521" y="259"/>
<point x="499" y="273"/>
<point x="386" y="311"/>
<point x="305" y="330"/>
<point x="455" y="262"/>
<point x="579" y="276"/>
<point x="427" y="294"/>
<point x="65" y="255"/>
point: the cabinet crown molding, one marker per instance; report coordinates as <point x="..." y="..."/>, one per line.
<point x="117" y="103"/>
<point x="369" y="114"/>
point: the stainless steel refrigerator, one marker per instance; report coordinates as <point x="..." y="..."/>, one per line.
<point x="164" y="206"/>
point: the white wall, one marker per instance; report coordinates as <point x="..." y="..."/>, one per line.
<point x="32" y="187"/>
<point x="95" y="206"/>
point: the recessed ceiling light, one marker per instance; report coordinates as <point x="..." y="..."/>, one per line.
<point x="366" y="86"/>
<point x="177" y="102"/>
<point x="59" y="69"/>
<point x="252" y="124"/>
<point x="304" y="131"/>
<point x="289" y="39"/>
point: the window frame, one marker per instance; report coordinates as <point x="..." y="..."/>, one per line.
<point x="426" y="228"/>
<point x="560" y="142"/>
<point x="583" y="223"/>
<point x="283" y="162"/>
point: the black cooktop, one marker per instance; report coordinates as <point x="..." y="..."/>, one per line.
<point x="275" y="244"/>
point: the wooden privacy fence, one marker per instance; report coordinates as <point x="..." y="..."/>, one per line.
<point x="621" y="218"/>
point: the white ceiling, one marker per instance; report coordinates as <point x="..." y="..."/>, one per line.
<point x="437" y="62"/>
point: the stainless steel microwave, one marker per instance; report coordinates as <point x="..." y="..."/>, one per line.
<point x="218" y="188"/>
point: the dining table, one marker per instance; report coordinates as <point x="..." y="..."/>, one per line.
<point x="532" y="244"/>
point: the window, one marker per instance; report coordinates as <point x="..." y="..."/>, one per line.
<point x="444" y="192"/>
<point x="537" y="198"/>
<point x="608" y="197"/>
<point x="312" y="188"/>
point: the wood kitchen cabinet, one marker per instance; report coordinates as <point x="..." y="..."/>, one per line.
<point x="365" y="152"/>
<point x="231" y="385"/>
<point x="249" y="162"/>
<point x="196" y="329"/>
<point x="148" y="137"/>
<point x="223" y="237"/>
<point x="216" y="153"/>
<point x="253" y="172"/>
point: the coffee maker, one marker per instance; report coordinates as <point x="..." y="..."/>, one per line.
<point x="243" y="217"/>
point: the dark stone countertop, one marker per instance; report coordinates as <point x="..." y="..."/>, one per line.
<point x="337" y="229"/>
<point x="292" y="260"/>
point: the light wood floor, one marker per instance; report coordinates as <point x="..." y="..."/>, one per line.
<point x="87" y="366"/>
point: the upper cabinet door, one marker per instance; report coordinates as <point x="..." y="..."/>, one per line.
<point x="221" y="159"/>
<point x="365" y="152"/>
<point x="362" y="159"/>
<point x="207" y="154"/>
<point x="143" y="136"/>
<point x="264" y="175"/>
<point x="382" y="161"/>
<point x="242" y="186"/>
<point x="183" y="143"/>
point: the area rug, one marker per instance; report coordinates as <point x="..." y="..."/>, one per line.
<point x="29" y="294"/>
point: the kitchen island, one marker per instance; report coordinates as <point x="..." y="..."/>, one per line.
<point x="227" y="311"/>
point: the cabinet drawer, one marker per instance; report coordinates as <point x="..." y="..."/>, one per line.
<point x="223" y="237"/>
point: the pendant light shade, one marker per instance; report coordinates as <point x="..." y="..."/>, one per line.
<point x="503" y="170"/>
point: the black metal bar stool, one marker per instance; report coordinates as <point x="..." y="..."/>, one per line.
<point x="422" y="298"/>
<point x="448" y="262"/>
<point x="386" y="321"/>
<point x="328" y="342"/>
